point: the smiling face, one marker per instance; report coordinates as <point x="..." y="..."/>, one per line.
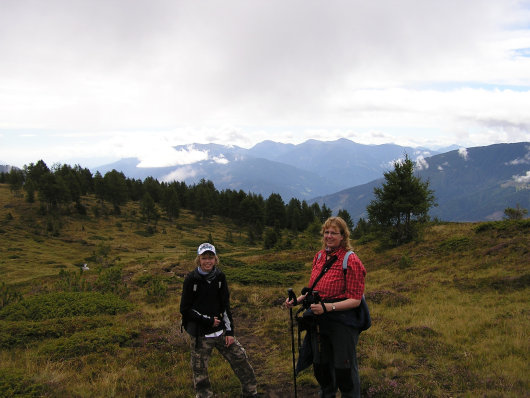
<point x="207" y="261"/>
<point x="333" y="237"/>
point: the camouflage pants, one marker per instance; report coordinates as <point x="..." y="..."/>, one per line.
<point x="235" y="355"/>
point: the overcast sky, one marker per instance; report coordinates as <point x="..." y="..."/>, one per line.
<point x="89" y="81"/>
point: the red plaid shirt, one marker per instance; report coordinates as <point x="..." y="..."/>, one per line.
<point x="333" y="285"/>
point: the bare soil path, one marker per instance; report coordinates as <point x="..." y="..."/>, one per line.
<point x="279" y="384"/>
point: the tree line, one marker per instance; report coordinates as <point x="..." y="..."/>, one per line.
<point x="64" y="185"/>
<point x="395" y="216"/>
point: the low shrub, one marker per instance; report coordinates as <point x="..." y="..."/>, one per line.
<point x="156" y="291"/>
<point x="259" y="276"/>
<point x="232" y="262"/>
<point x="105" y="339"/>
<point x="110" y="281"/>
<point x="283" y="266"/>
<point x="64" y="304"/>
<point x="143" y="280"/>
<point x="20" y="333"/>
<point x="72" y="281"/>
<point x="8" y="295"/>
<point x="457" y="243"/>
<point x="14" y="383"/>
<point x="405" y="262"/>
<point x="503" y="225"/>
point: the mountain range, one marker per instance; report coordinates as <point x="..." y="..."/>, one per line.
<point x="474" y="184"/>
<point x="304" y="171"/>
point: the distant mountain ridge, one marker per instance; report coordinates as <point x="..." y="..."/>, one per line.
<point x="4" y="168"/>
<point x="304" y="171"/>
<point x="474" y="184"/>
<point x="345" y="160"/>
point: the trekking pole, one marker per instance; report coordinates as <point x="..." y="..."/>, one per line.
<point x="292" y="296"/>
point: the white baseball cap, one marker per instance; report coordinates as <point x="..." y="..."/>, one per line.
<point x="206" y="247"/>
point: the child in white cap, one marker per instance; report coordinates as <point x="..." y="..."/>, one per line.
<point x="206" y="316"/>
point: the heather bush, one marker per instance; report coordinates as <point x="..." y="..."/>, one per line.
<point x="14" y="383"/>
<point x="105" y="339"/>
<point x="22" y="333"/>
<point x="64" y="304"/>
<point x="156" y="290"/>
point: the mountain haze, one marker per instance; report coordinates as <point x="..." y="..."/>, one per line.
<point x="471" y="184"/>
<point x="344" y="160"/>
<point x="304" y="171"/>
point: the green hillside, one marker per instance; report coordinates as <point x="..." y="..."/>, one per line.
<point x="450" y="313"/>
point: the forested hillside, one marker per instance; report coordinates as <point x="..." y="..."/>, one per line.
<point x="449" y="309"/>
<point x="474" y="184"/>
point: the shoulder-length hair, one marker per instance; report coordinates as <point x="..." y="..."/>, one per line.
<point x="198" y="260"/>
<point x="343" y="229"/>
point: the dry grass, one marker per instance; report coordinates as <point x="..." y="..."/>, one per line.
<point x="450" y="312"/>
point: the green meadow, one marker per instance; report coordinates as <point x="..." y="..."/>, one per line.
<point x="450" y="311"/>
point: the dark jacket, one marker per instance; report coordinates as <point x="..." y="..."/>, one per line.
<point x="202" y="300"/>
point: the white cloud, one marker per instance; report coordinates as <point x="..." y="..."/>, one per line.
<point x="524" y="160"/>
<point x="180" y="174"/>
<point x="525" y="179"/>
<point x="220" y="160"/>
<point x="421" y="163"/>
<point x="167" y="156"/>
<point x="462" y="152"/>
<point x="414" y="73"/>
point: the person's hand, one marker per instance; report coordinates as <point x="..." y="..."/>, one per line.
<point x="229" y="340"/>
<point x="216" y="321"/>
<point x="288" y="303"/>
<point x="317" y="309"/>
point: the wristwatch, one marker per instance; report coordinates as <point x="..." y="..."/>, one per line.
<point x="333" y="308"/>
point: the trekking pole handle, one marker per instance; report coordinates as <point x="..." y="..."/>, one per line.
<point x="292" y="296"/>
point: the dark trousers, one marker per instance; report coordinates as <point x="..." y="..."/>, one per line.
<point x="337" y="367"/>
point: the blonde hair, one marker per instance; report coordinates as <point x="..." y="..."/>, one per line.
<point x="343" y="229"/>
<point x="198" y="260"/>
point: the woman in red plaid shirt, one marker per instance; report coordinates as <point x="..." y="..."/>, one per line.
<point x="335" y="366"/>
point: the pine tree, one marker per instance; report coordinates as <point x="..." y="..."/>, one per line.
<point x="401" y="204"/>
<point x="275" y="211"/>
<point x="148" y="209"/>
<point x="343" y="213"/>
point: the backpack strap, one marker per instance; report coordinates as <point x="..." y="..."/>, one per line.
<point x="345" y="262"/>
<point x="345" y="268"/>
<point x="219" y="284"/>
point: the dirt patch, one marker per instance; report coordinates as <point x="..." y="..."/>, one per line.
<point x="278" y="385"/>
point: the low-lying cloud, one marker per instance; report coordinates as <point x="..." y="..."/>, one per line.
<point x="462" y="152"/>
<point x="180" y="174"/>
<point x="525" y="179"/>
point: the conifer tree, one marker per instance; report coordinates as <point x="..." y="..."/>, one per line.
<point x="275" y="211"/>
<point x="343" y="213"/>
<point x="148" y="209"/>
<point x="401" y="204"/>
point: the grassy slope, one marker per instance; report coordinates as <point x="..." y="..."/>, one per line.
<point x="450" y="313"/>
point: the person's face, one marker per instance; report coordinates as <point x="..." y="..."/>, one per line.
<point x="332" y="237"/>
<point x="207" y="261"/>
